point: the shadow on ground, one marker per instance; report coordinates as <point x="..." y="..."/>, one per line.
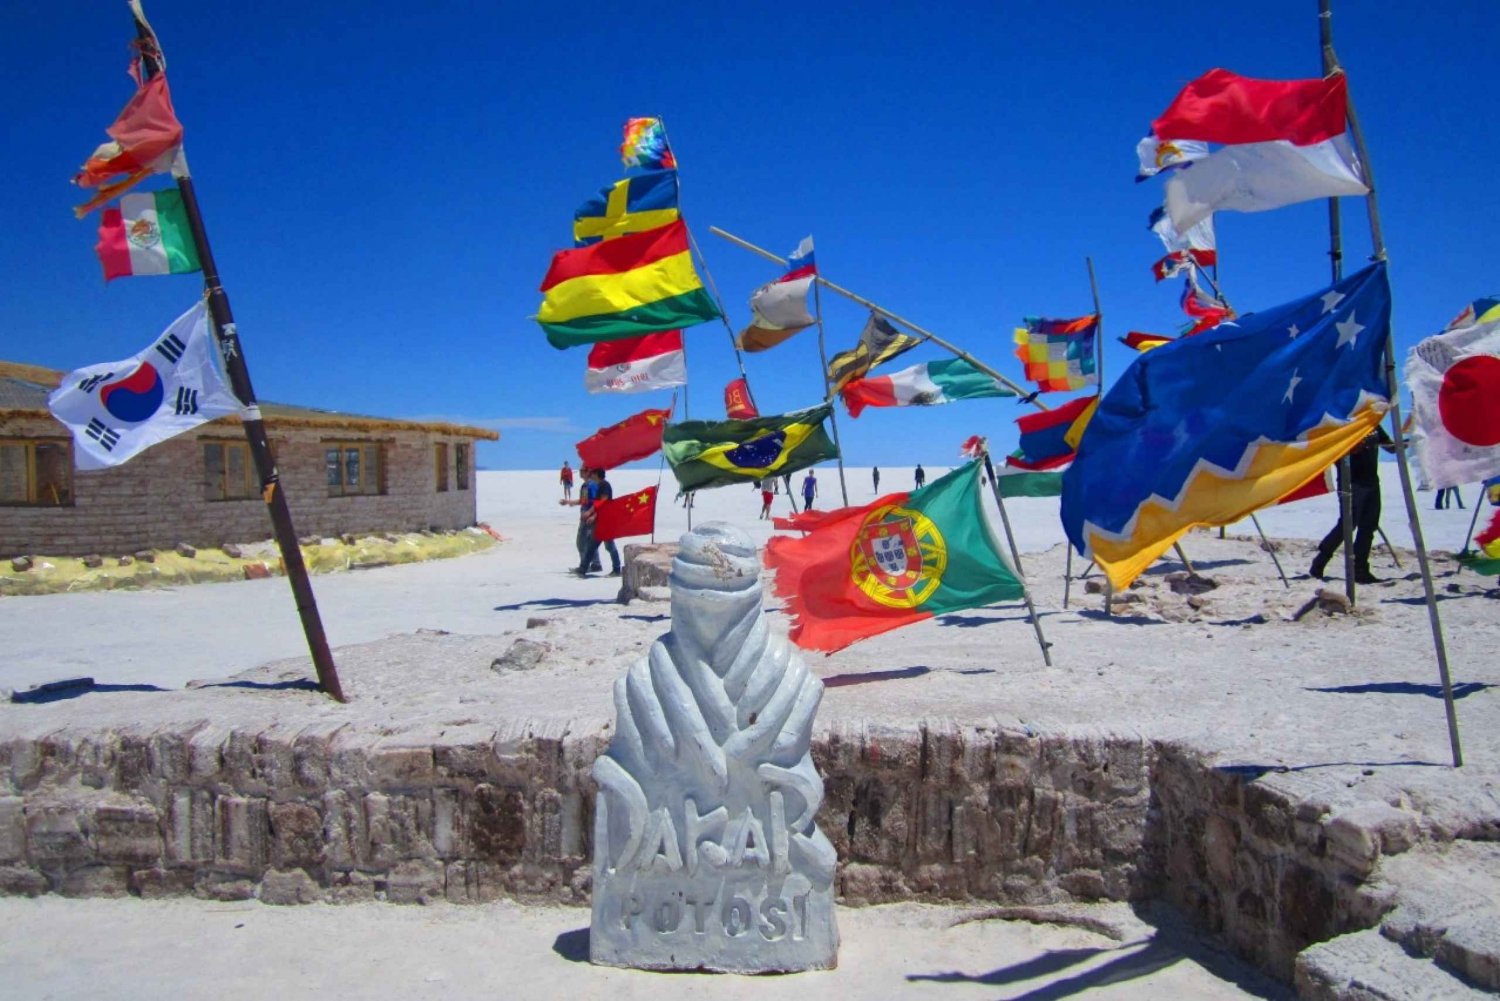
<point x="1462" y="690"/>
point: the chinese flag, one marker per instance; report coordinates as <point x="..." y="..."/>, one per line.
<point x="633" y="514"/>
<point x="636" y="437"/>
<point x="737" y="405"/>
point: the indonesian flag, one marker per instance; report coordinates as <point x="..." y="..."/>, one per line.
<point x="147" y="234"/>
<point x="1454" y="379"/>
<point x="118" y="409"/>
<point x="636" y="437"/>
<point x="633" y="514"/>
<point x="637" y="364"/>
<point x="1284" y="141"/>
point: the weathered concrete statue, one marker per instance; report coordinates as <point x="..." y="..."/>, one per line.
<point x="705" y="851"/>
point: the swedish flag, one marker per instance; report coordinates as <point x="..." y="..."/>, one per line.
<point x="718" y="453"/>
<point x="634" y="205"/>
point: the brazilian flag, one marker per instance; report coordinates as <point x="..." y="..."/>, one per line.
<point x="719" y="453"/>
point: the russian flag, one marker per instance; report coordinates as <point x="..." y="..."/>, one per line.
<point x="800" y="263"/>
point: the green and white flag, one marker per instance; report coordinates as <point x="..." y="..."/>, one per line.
<point x="147" y="234"/>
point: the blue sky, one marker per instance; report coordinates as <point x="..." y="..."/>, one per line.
<point x="384" y="184"/>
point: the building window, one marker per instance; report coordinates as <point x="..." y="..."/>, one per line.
<point x="461" y="459"/>
<point x="36" y="471"/>
<point x="228" y="472"/>
<point x="440" y="461"/>
<point x="354" y="467"/>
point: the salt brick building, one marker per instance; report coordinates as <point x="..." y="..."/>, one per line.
<point x="342" y="474"/>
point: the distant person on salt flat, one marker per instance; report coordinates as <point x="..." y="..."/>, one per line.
<point x="1446" y="494"/>
<point x="1364" y="509"/>
<point x="809" y="490"/>
<point x="566" y="479"/>
<point x="875" y="476"/>
<point x="921" y="476"/>
<point x="765" y="500"/>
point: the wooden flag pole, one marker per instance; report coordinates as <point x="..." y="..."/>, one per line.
<point x="1377" y="245"/>
<point x="233" y="357"/>
<point x="1478" y="502"/>
<point x="1267" y="543"/>
<point x="1015" y="555"/>
<point x="828" y="394"/>
<point x="934" y="338"/>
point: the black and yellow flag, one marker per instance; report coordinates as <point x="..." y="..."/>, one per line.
<point x="718" y="453"/>
<point x="878" y="343"/>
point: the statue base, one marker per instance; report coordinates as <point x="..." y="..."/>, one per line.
<point x="727" y="924"/>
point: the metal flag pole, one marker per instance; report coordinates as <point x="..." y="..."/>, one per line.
<point x="1015" y="555"/>
<point x="1377" y="246"/>
<point x="833" y="419"/>
<point x="233" y="356"/>
<point x="713" y="289"/>
<point x="934" y="338"/>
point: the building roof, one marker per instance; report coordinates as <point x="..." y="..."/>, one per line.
<point x="24" y="390"/>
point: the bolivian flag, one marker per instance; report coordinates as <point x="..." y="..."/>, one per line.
<point x="637" y="284"/>
<point x="718" y="453"/>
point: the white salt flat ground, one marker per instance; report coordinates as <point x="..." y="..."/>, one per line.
<point x="188" y="949"/>
<point x="168" y="637"/>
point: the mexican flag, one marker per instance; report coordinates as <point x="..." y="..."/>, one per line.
<point x="147" y="234"/>
<point x="862" y="571"/>
<point x="923" y="385"/>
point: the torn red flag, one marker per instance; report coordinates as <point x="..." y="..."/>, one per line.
<point x="144" y="139"/>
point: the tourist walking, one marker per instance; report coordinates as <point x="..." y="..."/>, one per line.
<point x="587" y="492"/>
<point x="765" y="500"/>
<point x="566" y="479"/>
<point x="604" y="492"/>
<point x="809" y="490"/>
<point x="1364" y="508"/>
<point x="875" y="475"/>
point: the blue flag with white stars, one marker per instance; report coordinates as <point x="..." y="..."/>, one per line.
<point x="1206" y="429"/>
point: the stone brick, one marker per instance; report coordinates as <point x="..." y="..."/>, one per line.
<point x="400" y="827"/>
<point x="296" y="835"/>
<point x="22" y="881"/>
<point x="289" y="886"/>
<point x="127" y="832"/>
<point x="12" y="829"/>
<point x="96" y="881"/>
<point x="218" y="885"/>
<point x="54" y="834"/>
<point x="394" y="768"/>
<point x="418" y="881"/>
<point x="495" y="824"/>
<point x="345" y="832"/>
<point x="158" y="883"/>
<point x="241" y="832"/>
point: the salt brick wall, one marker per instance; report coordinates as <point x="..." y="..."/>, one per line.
<point x="155" y="500"/>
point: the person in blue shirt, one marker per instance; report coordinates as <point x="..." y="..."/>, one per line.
<point x="809" y="490"/>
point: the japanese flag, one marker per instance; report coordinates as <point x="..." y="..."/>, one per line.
<point x="1454" y="378"/>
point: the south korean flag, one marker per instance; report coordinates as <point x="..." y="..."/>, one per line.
<point x="118" y="409"/>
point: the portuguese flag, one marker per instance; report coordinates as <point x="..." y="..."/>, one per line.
<point x="867" y="570"/>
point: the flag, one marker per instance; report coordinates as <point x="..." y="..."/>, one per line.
<point x="1015" y="481"/>
<point x="637" y="364"/>
<point x="1488" y="540"/>
<point x="1058" y="355"/>
<point x="737" y="403"/>
<point x="779" y="309"/>
<point x="646" y="146"/>
<point x="147" y="235"/>
<point x="1206" y="310"/>
<point x="974" y="446"/>
<point x="1315" y="487"/>
<point x="119" y="409"/>
<point x="719" y="453"/>
<point x="1160" y="155"/>
<point x="1454" y="379"/>
<point x="145" y="135"/>
<point x="1197" y="245"/>
<point x="634" y="205"/>
<point x="801" y="262"/>
<point x="1486" y="559"/>
<point x="636" y="437"/>
<point x="906" y="557"/>
<point x="633" y="514"/>
<point x="1207" y="429"/>
<point x="924" y="385"/>
<point x="1285" y="142"/>
<point x="1141" y="341"/>
<point x="637" y="284"/>
<point x="1050" y="437"/>
<point x="879" y="342"/>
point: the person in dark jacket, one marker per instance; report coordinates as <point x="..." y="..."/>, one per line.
<point x="1364" y="508"/>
